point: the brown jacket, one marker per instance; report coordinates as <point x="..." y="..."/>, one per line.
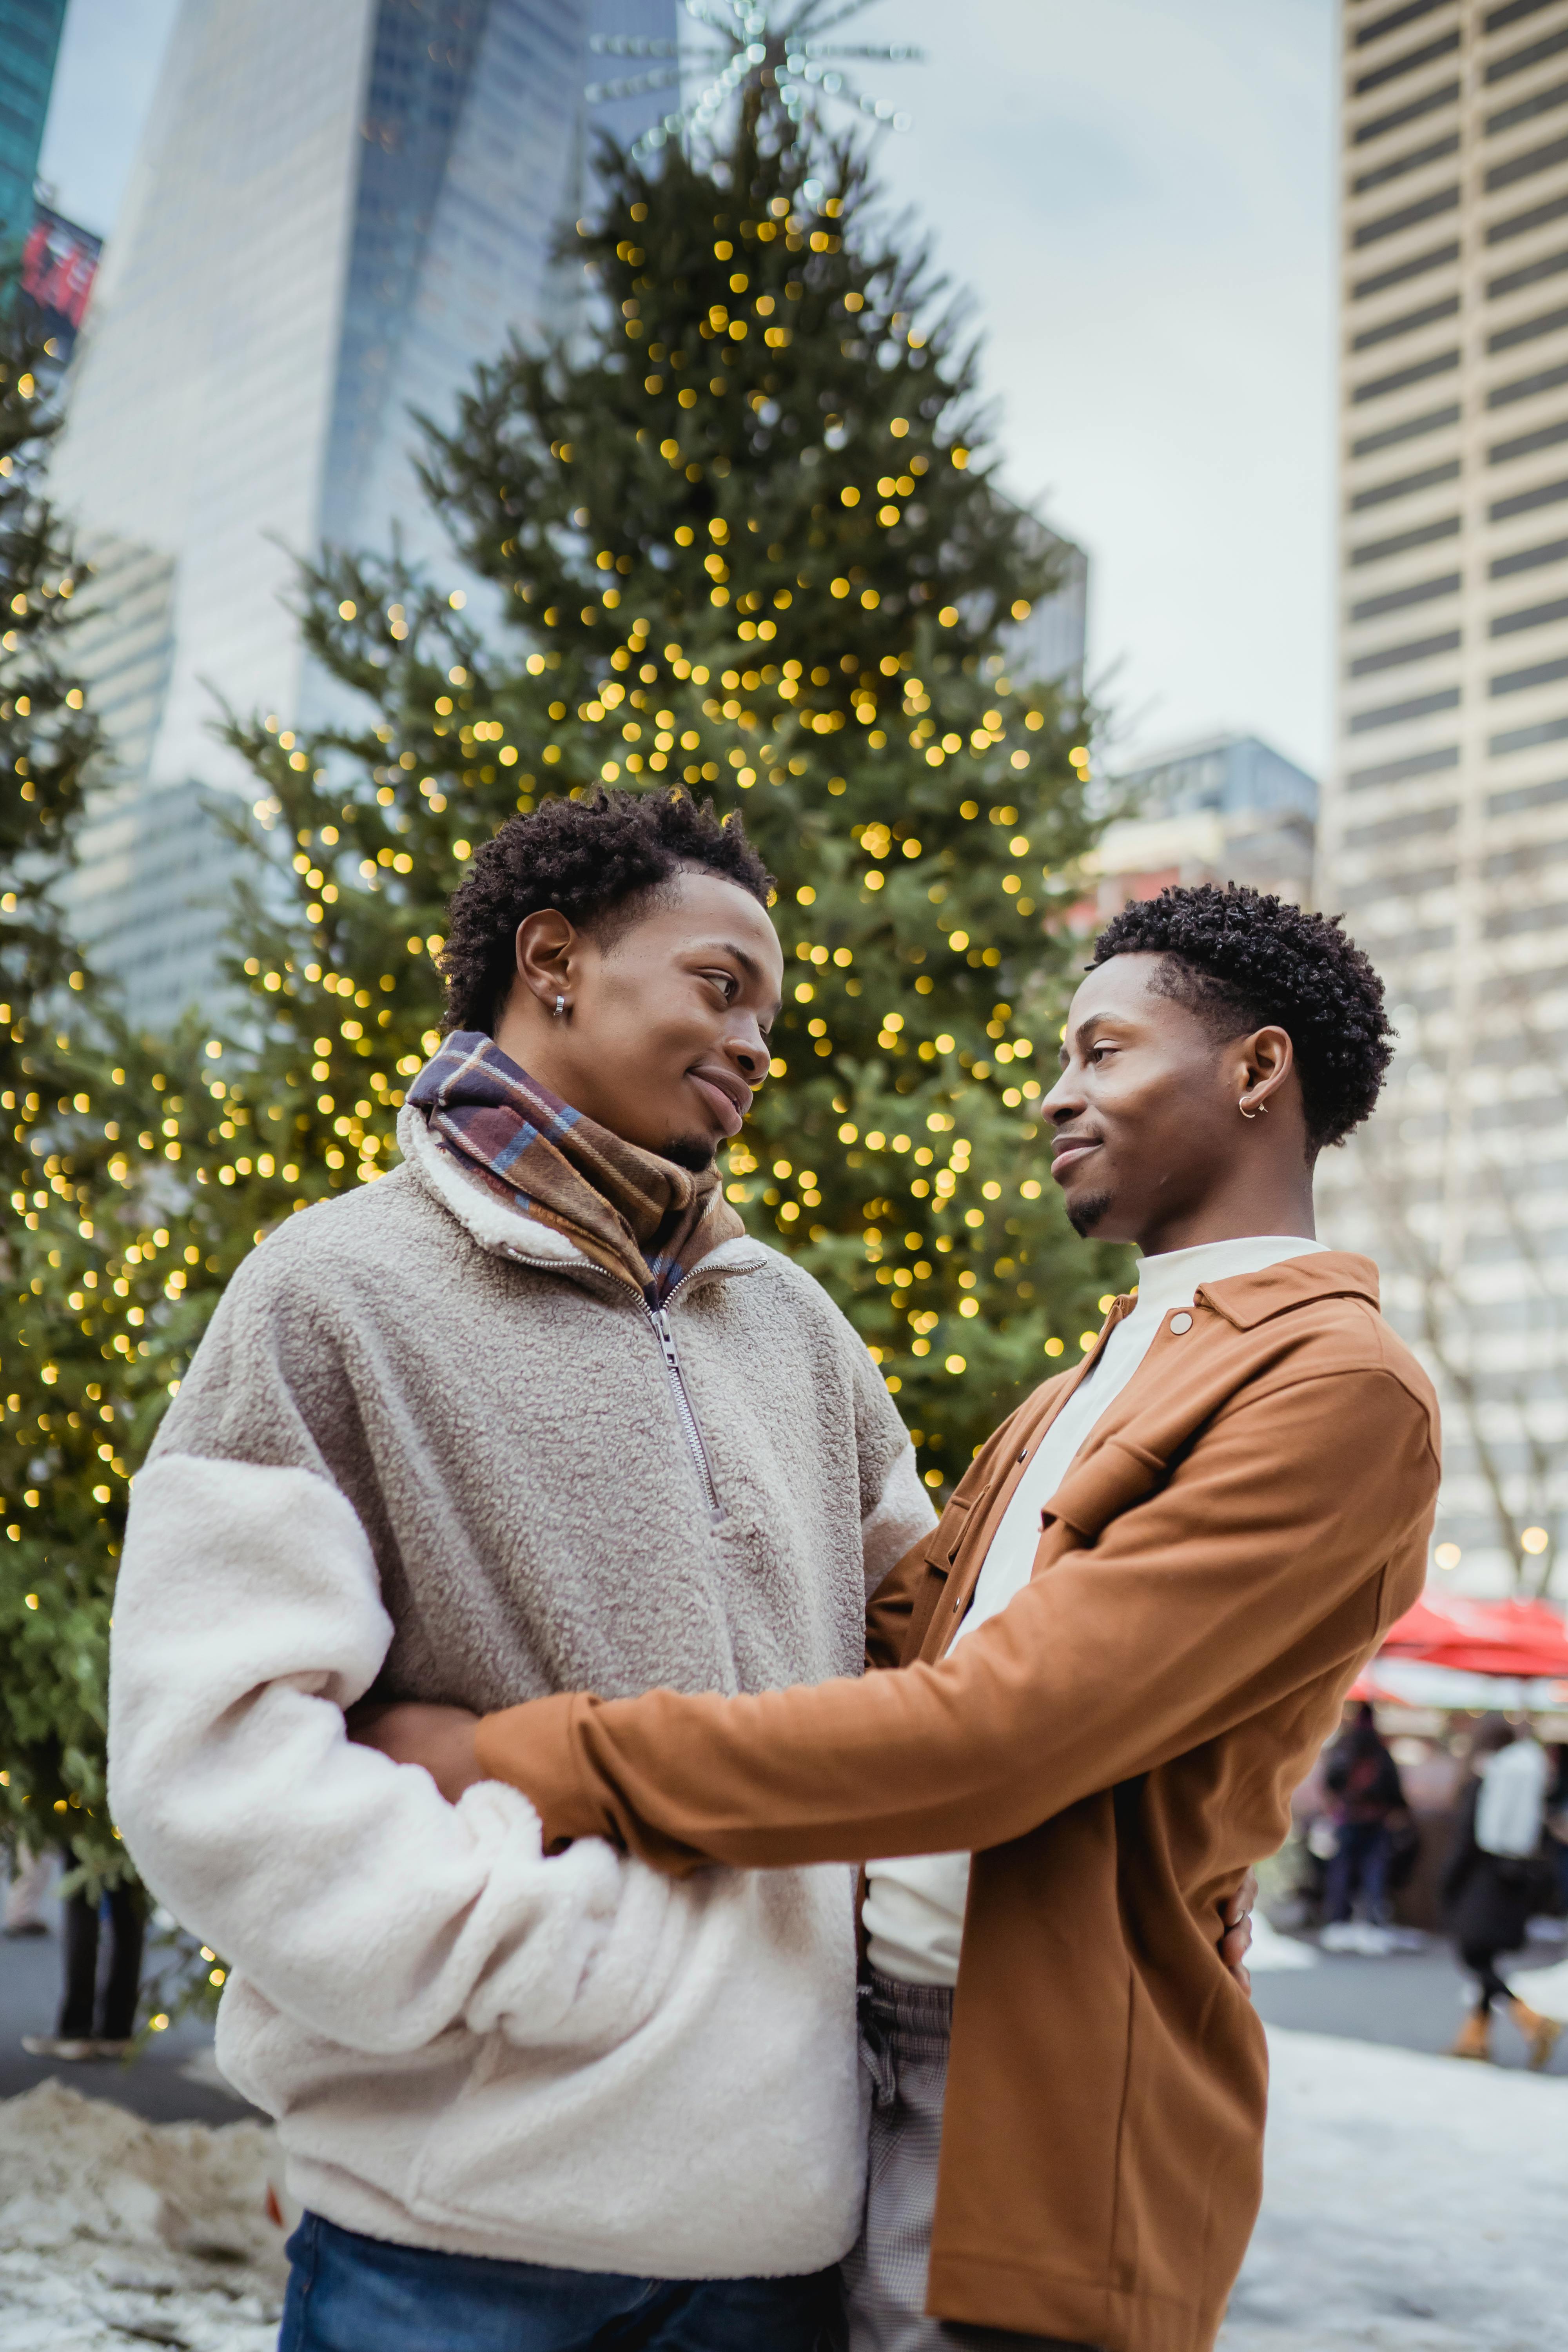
<point x="1115" y="1747"/>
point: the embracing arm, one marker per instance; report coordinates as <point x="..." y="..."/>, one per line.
<point x="1253" y="1569"/>
<point x="247" y="1617"/>
<point x="893" y="1536"/>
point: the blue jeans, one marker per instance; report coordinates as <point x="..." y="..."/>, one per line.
<point x="1359" y="1861"/>
<point x="351" y="2294"/>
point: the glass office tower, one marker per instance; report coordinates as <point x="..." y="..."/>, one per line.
<point x="334" y="213"/>
<point x="29" y="44"/>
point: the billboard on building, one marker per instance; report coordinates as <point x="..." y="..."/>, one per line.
<point x="59" y="262"/>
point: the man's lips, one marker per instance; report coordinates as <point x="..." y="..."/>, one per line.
<point x="1069" y="1151"/>
<point x="726" y="1098"/>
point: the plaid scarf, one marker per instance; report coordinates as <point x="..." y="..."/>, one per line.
<point x="639" y="1217"/>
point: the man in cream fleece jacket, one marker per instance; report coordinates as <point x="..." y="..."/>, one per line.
<point x="531" y="1413"/>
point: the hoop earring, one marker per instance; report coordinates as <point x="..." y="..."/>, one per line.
<point x="1252" y="1114"/>
<point x="559" y="1008"/>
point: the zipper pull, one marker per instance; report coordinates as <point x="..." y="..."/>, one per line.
<point x="665" y="1339"/>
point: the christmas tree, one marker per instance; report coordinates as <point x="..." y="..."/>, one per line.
<point x="751" y="544"/>
<point x="53" y="1588"/>
<point x="100" y="1245"/>
<point x="46" y="742"/>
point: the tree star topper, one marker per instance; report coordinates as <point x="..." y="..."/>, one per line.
<point x="779" y="51"/>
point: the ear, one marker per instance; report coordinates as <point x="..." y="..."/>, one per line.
<point x="547" y="950"/>
<point x="1264" y="1065"/>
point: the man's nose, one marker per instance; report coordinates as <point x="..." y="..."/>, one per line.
<point x="751" y="1058"/>
<point x="1063" y="1099"/>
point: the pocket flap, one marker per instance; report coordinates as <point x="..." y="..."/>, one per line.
<point x="1115" y="1476"/>
<point x="946" y="1539"/>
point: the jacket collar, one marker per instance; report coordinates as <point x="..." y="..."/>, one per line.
<point x="1245" y="1300"/>
<point x="504" y="1232"/>
<point x="1248" y="1299"/>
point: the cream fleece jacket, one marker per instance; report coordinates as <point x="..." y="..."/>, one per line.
<point x="427" y="1449"/>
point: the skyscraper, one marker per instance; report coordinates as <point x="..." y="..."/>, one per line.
<point x="334" y="213"/>
<point x="1444" y="823"/>
<point x="29" y="44"/>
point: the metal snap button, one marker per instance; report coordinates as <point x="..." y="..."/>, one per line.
<point x="1181" y="1322"/>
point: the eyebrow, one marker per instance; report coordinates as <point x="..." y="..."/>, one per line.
<point x="749" y="965"/>
<point x="1086" y="1028"/>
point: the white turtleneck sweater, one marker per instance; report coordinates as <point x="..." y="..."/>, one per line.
<point x="914" y="1905"/>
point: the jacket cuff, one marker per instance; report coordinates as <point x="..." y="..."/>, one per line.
<point x="538" y="1748"/>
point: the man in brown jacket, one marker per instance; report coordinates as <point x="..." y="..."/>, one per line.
<point x="1122" y="1648"/>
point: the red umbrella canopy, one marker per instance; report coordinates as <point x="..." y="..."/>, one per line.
<point x="1519" y="1638"/>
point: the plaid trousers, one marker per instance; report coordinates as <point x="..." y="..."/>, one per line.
<point x="904" y="2036"/>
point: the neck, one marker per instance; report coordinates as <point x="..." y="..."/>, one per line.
<point x="1234" y="1213"/>
<point x="539" y="1046"/>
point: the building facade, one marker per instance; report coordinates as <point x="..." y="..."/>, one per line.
<point x="1226" y="808"/>
<point x="29" y="46"/>
<point x="1445" y="825"/>
<point x="333" y="215"/>
<point x="1052" y="645"/>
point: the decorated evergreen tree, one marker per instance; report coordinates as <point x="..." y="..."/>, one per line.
<point x="62" y="1444"/>
<point x="111" y="1268"/>
<point x="45" y="740"/>
<point x="750" y="546"/>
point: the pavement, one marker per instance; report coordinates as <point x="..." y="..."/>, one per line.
<point x="1404" y="2000"/>
<point x="155" y="2085"/>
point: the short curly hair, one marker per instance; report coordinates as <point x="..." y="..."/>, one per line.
<point x="1243" y="960"/>
<point x="601" y="862"/>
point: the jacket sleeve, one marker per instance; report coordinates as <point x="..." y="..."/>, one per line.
<point x="1250" y="1571"/>
<point x="896" y="1511"/>
<point x="890" y="1610"/>
<point x="247" y="1617"/>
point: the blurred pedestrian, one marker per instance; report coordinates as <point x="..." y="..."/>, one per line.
<point x="1366" y="1798"/>
<point x="26" y="1893"/>
<point x="94" y="2023"/>
<point x="1491" y="1881"/>
<point x="1557" y="1821"/>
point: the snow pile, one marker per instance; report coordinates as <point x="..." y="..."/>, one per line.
<point x="1411" y="2204"/>
<point x="114" y="2230"/>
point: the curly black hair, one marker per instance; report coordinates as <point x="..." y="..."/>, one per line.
<point x="600" y="862"/>
<point x="1242" y="960"/>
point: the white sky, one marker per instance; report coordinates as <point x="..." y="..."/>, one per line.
<point x="1139" y="193"/>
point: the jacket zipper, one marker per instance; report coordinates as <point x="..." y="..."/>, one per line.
<point x="684" y="1412"/>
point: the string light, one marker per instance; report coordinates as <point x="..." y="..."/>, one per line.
<point x="788" y="59"/>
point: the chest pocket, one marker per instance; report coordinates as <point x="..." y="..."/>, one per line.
<point x="1117" y="1476"/>
<point x="944" y="1549"/>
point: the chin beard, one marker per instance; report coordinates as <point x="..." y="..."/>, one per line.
<point x="1088" y="1214"/>
<point x="692" y="1152"/>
